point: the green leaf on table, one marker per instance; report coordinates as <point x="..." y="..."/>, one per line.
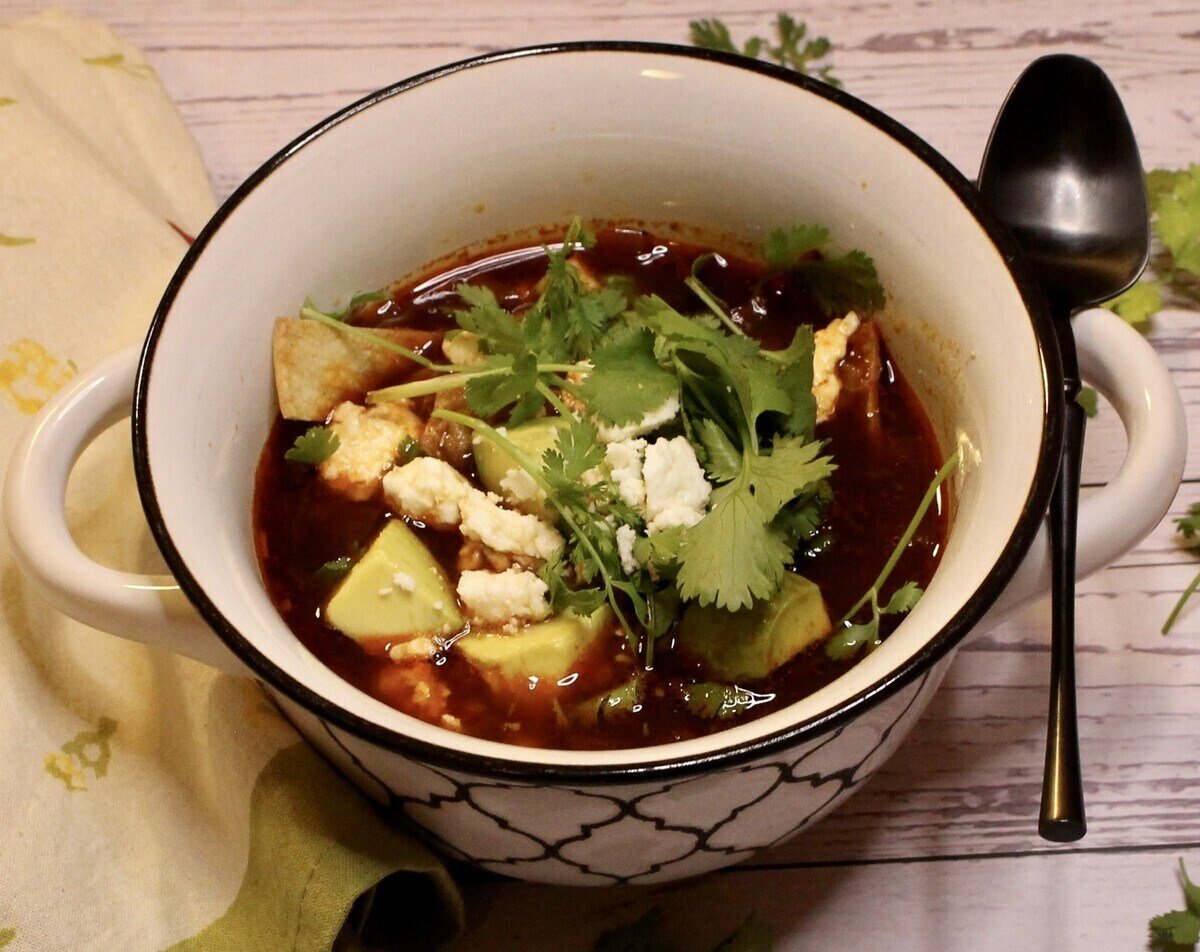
<point x="793" y="49"/>
<point x="1089" y="400"/>
<point x="1180" y="927"/>
<point x="1188" y="527"/>
<point x="313" y="446"/>
<point x="1138" y="304"/>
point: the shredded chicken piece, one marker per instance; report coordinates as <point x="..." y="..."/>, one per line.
<point x="861" y="371"/>
<point x="475" y="556"/>
<point x="450" y="442"/>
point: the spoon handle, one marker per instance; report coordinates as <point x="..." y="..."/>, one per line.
<point x="1062" y="816"/>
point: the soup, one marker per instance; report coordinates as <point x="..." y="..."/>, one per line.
<point x="619" y="491"/>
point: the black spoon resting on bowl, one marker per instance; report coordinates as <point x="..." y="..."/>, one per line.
<point x="1062" y="170"/>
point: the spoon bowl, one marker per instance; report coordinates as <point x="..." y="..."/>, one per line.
<point x="1062" y="169"/>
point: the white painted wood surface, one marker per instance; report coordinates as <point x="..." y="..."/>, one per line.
<point x="940" y="850"/>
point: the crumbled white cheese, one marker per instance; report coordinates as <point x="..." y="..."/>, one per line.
<point x="506" y="530"/>
<point x="520" y="489"/>
<point x="415" y="649"/>
<point x="625" y="539"/>
<point x="429" y="490"/>
<point x="624" y="460"/>
<point x="676" y="491"/>
<point x="404" y="582"/>
<point x="504" y="596"/>
<point x="651" y="421"/>
<point x="368" y="439"/>
<point x="829" y="349"/>
<point x="462" y="348"/>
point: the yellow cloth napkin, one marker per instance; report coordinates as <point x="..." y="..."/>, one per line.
<point x="148" y="800"/>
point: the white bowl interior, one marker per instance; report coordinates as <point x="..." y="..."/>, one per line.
<point x="531" y="141"/>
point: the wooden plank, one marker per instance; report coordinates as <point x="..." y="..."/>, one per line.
<point x="1048" y="901"/>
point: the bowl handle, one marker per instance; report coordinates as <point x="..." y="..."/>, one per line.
<point x="146" y="608"/>
<point x="1121" y="364"/>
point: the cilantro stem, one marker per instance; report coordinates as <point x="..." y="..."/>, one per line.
<point x="1183" y="600"/>
<point x="711" y="302"/>
<point x="872" y="594"/>
<point x="553" y="399"/>
<point x="526" y="463"/>
<point x="370" y="337"/>
<point x="454" y="378"/>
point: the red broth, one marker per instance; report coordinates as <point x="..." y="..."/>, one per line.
<point x="882" y="442"/>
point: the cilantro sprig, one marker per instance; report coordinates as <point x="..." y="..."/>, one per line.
<point x="1181" y="927"/>
<point x="850" y="638"/>
<point x="793" y="49"/>
<point x="1188" y="527"/>
<point x="838" y="283"/>
<point x="313" y="446"/>
<point x="1175" y="214"/>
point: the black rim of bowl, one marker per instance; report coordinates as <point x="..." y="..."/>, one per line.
<point x="937" y="647"/>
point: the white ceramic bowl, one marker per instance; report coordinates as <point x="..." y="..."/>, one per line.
<point x="515" y="140"/>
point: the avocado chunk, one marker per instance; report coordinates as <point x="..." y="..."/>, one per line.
<point x="493" y="463"/>
<point x="750" y="644"/>
<point x="373" y="603"/>
<point x="546" y="651"/>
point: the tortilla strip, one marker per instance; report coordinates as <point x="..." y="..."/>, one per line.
<point x="317" y="367"/>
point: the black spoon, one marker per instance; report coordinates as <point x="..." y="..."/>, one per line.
<point x="1062" y="170"/>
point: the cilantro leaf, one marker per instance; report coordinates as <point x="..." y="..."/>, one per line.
<point x="731" y="556"/>
<point x="498" y="330"/>
<point x="365" y="297"/>
<point x="660" y="551"/>
<point x="849" y="640"/>
<point x="784" y="248"/>
<point x="334" y="569"/>
<point x="838" y="283"/>
<point x="1181" y="927"/>
<point x="722" y="461"/>
<point x="1188" y="527"/>
<point x="314" y="446"/>
<point x="488" y="395"/>
<point x="904" y="599"/>
<point x="581" y="601"/>
<point x="577" y="450"/>
<point x="844" y="283"/>
<point x="712" y="34"/>
<point x="1177" y="218"/>
<point x="626" y="381"/>
<point x="1137" y="305"/>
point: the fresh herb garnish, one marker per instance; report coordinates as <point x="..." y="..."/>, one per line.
<point x="364" y="297"/>
<point x="1188" y="528"/>
<point x="646" y="934"/>
<point x="408" y="450"/>
<point x="313" y="446"/>
<point x="334" y="569"/>
<point x="712" y="34"/>
<point x="850" y="638"/>
<point x="838" y="283"/>
<point x="1180" y="928"/>
<point x="1175" y="215"/>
